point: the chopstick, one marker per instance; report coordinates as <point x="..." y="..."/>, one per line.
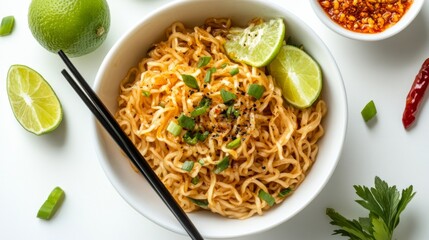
<point x="112" y="127"/>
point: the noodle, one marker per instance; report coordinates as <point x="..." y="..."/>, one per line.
<point x="278" y="142"/>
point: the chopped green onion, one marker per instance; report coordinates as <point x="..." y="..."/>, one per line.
<point x="205" y="102"/>
<point x="203" y="61"/>
<point x="195" y="180"/>
<point x="190" y="81"/>
<point x="232" y="112"/>
<point x="199" y="111"/>
<point x="234" y="71"/>
<point x="188" y="165"/>
<point x="266" y="197"/>
<point x="227" y="96"/>
<point x="285" y="192"/>
<point x="189" y="138"/>
<point x="234" y="143"/>
<point x="369" y="111"/>
<point x="51" y="205"/>
<point x="202" y="136"/>
<point x="208" y="75"/>
<point x="201" y="161"/>
<point x="204" y="203"/>
<point x="6" y="25"/>
<point x="174" y="128"/>
<point x="186" y="122"/>
<point x="224" y="65"/>
<point x="222" y="165"/>
<point x="146" y="93"/>
<point x="256" y="90"/>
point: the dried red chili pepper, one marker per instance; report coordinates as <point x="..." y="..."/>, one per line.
<point x="416" y="94"/>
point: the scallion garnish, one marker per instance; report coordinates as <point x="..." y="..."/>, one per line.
<point x="146" y="93"/>
<point x="189" y="138"/>
<point x="201" y="161"/>
<point x="204" y="203"/>
<point x="174" y="128"/>
<point x="284" y="192"/>
<point x="188" y="165"/>
<point x="234" y="143"/>
<point x="256" y="90"/>
<point x="227" y="96"/>
<point x="208" y="75"/>
<point x="186" y="122"/>
<point x="199" y="111"/>
<point x="195" y="180"/>
<point x="266" y="197"/>
<point x="234" y="71"/>
<point x="51" y="205"/>
<point x="202" y="136"/>
<point x="6" y="25"/>
<point x="232" y="112"/>
<point x="224" y="65"/>
<point x="203" y="61"/>
<point x="222" y="165"/>
<point x="190" y="81"/>
<point x="369" y="111"/>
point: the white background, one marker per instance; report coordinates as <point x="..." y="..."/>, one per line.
<point x="31" y="166"/>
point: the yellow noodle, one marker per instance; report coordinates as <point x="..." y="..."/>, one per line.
<point x="279" y="142"/>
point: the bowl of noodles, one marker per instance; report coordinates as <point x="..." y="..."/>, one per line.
<point x="243" y="166"/>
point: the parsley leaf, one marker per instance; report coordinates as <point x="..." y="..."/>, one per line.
<point x="384" y="203"/>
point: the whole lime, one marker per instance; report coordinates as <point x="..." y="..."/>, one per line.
<point x="77" y="27"/>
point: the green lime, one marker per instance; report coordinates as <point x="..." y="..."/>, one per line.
<point x="298" y="75"/>
<point x="34" y="103"/>
<point x="256" y="45"/>
<point x="77" y="27"/>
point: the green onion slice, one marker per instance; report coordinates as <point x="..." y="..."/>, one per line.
<point x="234" y="143"/>
<point x="146" y="93"/>
<point x="190" y="81"/>
<point x="208" y="75"/>
<point x="188" y="165"/>
<point x="204" y="203"/>
<point x="174" y="128"/>
<point x="222" y="165"/>
<point x="369" y="111"/>
<point x="195" y="180"/>
<point x="256" y="90"/>
<point x="189" y="138"/>
<point x="227" y="96"/>
<point x="224" y="65"/>
<point x="284" y="192"/>
<point x="199" y="111"/>
<point x="203" y="61"/>
<point x="186" y="122"/>
<point x="202" y="136"/>
<point x="266" y="197"/>
<point x="234" y="71"/>
<point x="201" y="161"/>
<point x="6" y="25"/>
<point x="51" y="205"/>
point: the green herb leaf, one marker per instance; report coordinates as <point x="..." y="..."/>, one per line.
<point x="384" y="203"/>
<point x="190" y="81"/>
<point x="204" y="203"/>
<point x="266" y="197"/>
<point x="6" y="25"/>
<point x="203" y="61"/>
<point x="222" y="165"/>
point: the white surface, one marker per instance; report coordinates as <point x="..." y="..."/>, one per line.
<point x="30" y="166"/>
<point x="130" y="49"/>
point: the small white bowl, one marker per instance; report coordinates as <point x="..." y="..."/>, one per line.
<point x="408" y="17"/>
<point x="132" y="47"/>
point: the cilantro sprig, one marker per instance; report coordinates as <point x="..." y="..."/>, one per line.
<point x="384" y="203"/>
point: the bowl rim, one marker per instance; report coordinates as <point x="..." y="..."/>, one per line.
<point x="97" y="129"/>
<point x="406" y="20"/>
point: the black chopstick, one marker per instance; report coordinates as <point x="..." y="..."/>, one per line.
<point x="112" y="127"/>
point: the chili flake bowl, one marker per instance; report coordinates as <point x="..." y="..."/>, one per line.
<point x="133" y="46"/>
<point x="390" y="31"/>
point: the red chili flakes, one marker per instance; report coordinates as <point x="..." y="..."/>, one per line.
<point x="366" y="16"/>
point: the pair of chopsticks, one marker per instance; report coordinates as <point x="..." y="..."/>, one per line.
<point x="112" y="127"/>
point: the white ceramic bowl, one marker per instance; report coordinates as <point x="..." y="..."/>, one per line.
<point x="133" y="46"/>
<point x="391" y="31"/>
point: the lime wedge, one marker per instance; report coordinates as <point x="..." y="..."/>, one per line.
<point x="34" y="103"/>
<point x="298" y="76"/>
<point x="256" y="45"/>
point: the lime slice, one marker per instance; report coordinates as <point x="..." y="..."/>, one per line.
<point x="256" y="45"/>
<point x="34" y="103"/>
<point x="298" y="76"/>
